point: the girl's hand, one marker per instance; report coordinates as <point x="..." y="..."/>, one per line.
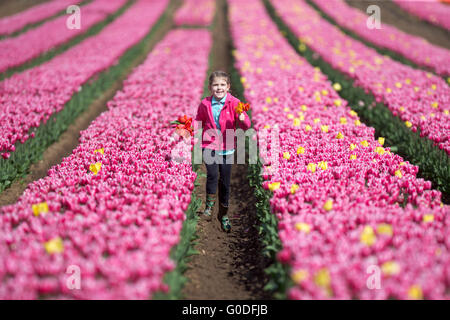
<point x="242" y="117"/>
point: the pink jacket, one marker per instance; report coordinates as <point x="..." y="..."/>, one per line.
<point x="228" y="119"/>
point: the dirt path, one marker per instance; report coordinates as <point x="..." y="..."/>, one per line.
<point x="69" y="139"/>
<point x="10" y="7"/>
<point x="394" y="15"/>
<point x="229" y="266"/>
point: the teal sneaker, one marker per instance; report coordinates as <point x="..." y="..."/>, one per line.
<point x="226" y="225"/>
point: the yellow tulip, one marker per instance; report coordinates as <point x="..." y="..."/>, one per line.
<point x="428" y="218"/>
<point x="311" y="167"/>
<point x="385" y="228"/>
<point x="368" y="236"/>
<point x="390" y="268"/>
<point x="300" y="150"/>
<point x="294" y="188"/>
<point x="379" y="150"/>
<point x="322" y="278"/>
<point x="286" y="155"/>
<point x="415" y="292"/>
<point x="337" y="87"/>
<point x="340" y="136"/>
<point x="39" y="208"/>
<point x="323" y="165"/>
<point x="299" y="276"/>
<point x="398" y="173"/>
<point x="364" y="143"/>
<point x="274" y="186"/>
<point x="54" y="245"/>
<point x="381" y="140"/>
<point x="328" y="205"/>
<point x="304" y="227"/>
<point x="95" y="168"/>
<point x="101" y="150"/>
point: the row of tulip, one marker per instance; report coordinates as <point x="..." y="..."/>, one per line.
<point x="31" y="97"/>
<point x="434" y="163"/>
<point x="14" y="23"/>
<point x="428" y="10"/>
<point x="115" y="207"/>
<point x="29" y="45"/>
<point x="417" y="97"/>
<point x="195" y="12"/>
<point x="413" y="48"/>
<point x="344" y="203"/>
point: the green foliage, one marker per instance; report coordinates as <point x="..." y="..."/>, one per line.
<point x="280" y="281"/>
<point x="433" y="163"/>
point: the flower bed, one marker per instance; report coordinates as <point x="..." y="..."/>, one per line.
<point x="11" y="24"/>
<point x="115" y="207"/>
<point x="429" y="10"/>
<point x="18" y="50"/>
<point x="418" y="98"/>
<point x="195" y="13"/>
<point x="413" y="48"/>
<point x="42" y="94"/>
<point x="345" y="204"/>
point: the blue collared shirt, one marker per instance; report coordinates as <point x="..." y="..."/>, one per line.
<point x="216" y="107"/>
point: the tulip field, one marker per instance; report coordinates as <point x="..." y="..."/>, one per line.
<point x="344" y="211"/>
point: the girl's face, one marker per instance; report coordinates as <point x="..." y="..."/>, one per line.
<point x="219" y="88"/>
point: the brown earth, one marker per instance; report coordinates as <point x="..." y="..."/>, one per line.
<point x="10" y="7"/>
<point x="69" y="139"/>
<point x="229" y="265"/>
<point x="395" y="16"/>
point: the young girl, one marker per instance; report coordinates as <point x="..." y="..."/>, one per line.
<point x="217" y="114"/>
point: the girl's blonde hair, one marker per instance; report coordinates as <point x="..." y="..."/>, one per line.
<point x="219" y="74"/>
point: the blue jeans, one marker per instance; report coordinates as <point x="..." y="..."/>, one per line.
<point x="222" y="166"/>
